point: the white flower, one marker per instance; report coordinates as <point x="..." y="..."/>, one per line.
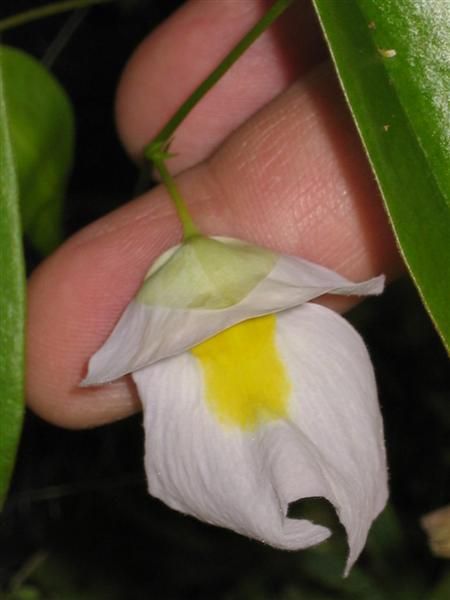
<point x="253" y="397"/>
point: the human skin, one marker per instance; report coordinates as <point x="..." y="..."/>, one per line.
<point x="270" y="156"/>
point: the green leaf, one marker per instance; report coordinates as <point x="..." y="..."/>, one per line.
<point x="393" y="61"/>
<point x="12" y="303"/>
<point x="42" y="133"/>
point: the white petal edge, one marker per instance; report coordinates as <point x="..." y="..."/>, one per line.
<point x="337" y="411"/>
<point x="332" y="446"/>
<point x="145" y="334"/>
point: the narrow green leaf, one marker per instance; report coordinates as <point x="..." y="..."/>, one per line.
<point x="393" y="60"/>
<point x="12" y="303"/>
<point x="42" y="133"/>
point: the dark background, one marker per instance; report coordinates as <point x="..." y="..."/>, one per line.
<point x="79" y="523"/>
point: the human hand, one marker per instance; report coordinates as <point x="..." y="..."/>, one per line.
<point x="275" y="160"/>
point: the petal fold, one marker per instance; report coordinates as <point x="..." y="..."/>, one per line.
<point x="335" y="420"/>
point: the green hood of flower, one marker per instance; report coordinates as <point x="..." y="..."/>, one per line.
<point x="206" y="273"/>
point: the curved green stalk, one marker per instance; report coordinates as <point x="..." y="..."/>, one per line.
<point x="189" y="228"/>
<point x="47" y="10"/>
<point x="156" y="150"/>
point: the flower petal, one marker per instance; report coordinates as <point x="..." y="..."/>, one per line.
<point x="331" y="445"/>
<point x="201" y="468"/>
<point x="145" y="333"/>
<point x="337" y="415"/>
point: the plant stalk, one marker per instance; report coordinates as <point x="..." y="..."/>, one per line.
<point x="166" y="133"/>
<point x="156" y="150"/>
<point x="47" y="10"/>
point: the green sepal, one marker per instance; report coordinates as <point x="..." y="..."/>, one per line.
<point x="206" y="273"/>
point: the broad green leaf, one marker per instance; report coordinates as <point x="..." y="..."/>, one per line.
<point x="393" y="60"/>
<point x="42" y="133"/>
<point x="12" y="303"/>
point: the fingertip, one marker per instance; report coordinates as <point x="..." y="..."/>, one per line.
<point x="56" y="358"/>
<point x="83" y="408"/>
<point x="74" y="298"/>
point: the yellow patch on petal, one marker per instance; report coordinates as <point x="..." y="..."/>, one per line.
<point x="246" y="382"/>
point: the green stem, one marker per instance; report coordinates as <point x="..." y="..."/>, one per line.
<point x="156" y="150"/>
<point x="46" y="11"/>
<point x="166" y="132"/>
<point x="189" y="229"/>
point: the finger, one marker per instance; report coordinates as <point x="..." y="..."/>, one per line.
<point x="293" y="178"/>
<point x="174" y="59"/>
